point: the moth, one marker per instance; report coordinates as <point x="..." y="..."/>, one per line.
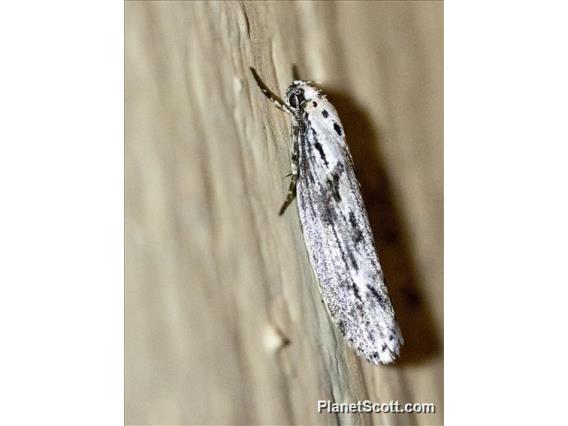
<point x="335" y="226"/>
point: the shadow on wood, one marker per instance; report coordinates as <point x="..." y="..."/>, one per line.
<point x="391" y="241"/>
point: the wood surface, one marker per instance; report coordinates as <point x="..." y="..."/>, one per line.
<point x="224" y="321"/>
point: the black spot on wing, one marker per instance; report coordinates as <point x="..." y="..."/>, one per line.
<point x="380" y="298"/>
<point x="356" y="291"/>
<point x="356" y="229"/>
<point x="336" y="179"/>
<point x="353" y="260"/>
<point x="325" y="113"/>
<point x="328" y="216"/>
<point x="318" y="146"/>
<point x="333" y="185"/>
<point x="306" y="163"/>
<point x="315" y="104"/>
<point x="337" y="128"/>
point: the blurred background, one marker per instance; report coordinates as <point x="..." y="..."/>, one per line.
<point x="223" y="319"/>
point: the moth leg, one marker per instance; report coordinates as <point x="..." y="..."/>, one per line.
<point x="294" y="173"/>
<point x="275" y="99"/>
<point x="291" y="194"/>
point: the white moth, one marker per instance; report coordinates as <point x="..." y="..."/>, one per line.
<point x="335" y="224"/>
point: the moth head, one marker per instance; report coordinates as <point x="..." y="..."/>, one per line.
<point x="301" y="91"/>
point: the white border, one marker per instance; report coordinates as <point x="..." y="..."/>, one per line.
<point x="506" y="211"/>
<point x="61" y="214"/>
<point x="61" y="235"/>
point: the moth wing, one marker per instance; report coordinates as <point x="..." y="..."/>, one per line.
<point x="339" y="239"/>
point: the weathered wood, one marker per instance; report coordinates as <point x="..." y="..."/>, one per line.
<point x="224" y="321"/>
